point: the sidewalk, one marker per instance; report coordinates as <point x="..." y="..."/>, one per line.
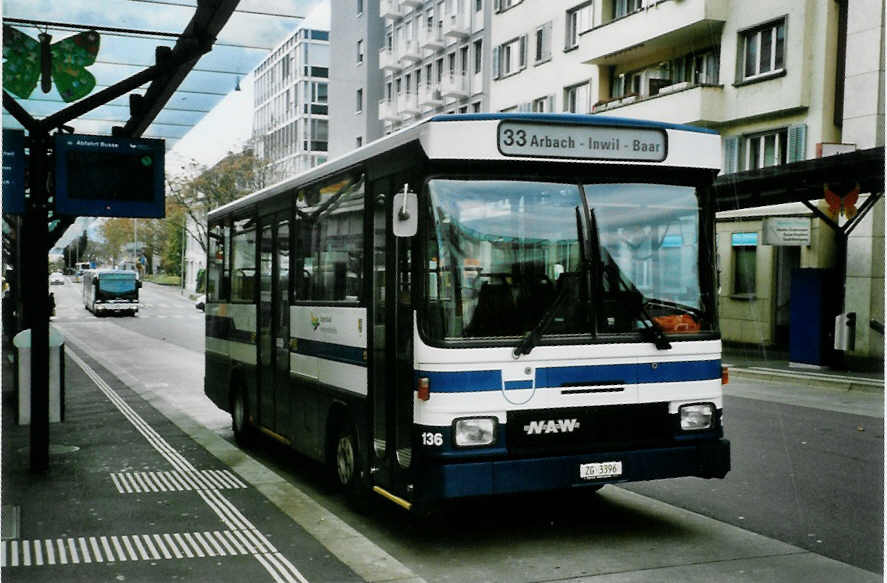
<point x="129" y="496"/>
<point x="755" y="364"/>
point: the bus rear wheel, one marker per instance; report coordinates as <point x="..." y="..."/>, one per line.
<point x="239" y="417"/>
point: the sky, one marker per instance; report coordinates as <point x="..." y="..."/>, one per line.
<point x="206" y="118"/>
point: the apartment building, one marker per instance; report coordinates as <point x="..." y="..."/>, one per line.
<point x="356" y="89"/>
<point x="291" y="95"/>
<point x="782" y="80"/>
<point x="433" y="59"/>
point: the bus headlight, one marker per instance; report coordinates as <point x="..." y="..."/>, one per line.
<point x="474" y="432"/>
<point x="697" y="416"/>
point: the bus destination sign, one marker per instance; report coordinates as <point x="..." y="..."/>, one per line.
<point x="586" y="142"/>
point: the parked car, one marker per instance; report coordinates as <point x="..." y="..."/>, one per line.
<point x="56" y="278"/>
<point x="200" y="303"/>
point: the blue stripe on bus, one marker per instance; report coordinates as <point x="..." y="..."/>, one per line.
<point x="576" y="376"/>
<point x="330" y="351"/>
<point x="518" y="384"/>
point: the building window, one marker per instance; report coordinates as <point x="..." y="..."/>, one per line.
<point x="745" y="246"/>
<point x="478" y="5"/>
<point x="475" y="107"/>
<point x="360" y="51"/>
<point x="763" y="50"/>
<point x="579" y="20"/>
<point x="359" y="7"/>
<point x="463" y="59"/>
<point x="765" y="149"/>
<point x="543" y="104"/>
<point x="359" y="100"/>
<point x="510" y="57"/>
<point x="478" y="56"/>
<point x="576" y="98"/>
<point x="624" y="7"/>
<point x="359" y="141"/>
<point x="543" y="44"/>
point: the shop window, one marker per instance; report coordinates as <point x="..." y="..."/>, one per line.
<point x="745" y="246"/>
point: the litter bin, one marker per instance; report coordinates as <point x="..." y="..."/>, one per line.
<point x="22" y="343"/>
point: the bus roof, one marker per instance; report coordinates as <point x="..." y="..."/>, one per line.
<point x="442" y="137"/>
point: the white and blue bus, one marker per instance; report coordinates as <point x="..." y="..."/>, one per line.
<point x="477" y="305"/>
<point x="111" y="291"/>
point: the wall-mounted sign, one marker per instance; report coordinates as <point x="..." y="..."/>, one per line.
<point x="744" y="239"/>
<point x="586" y="142"/>
<point x="787" y="231"/>
<point x="14" y="172"/>
<point x="103" y="176"/>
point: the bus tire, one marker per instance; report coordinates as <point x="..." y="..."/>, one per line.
<point x="240" y="418"/>
<point x="347" y="466"/>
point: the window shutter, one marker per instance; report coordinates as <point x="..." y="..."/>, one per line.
<point x="495" y="62"/>
<point x="731" y="154"/>
<point x="523" y="52"/>
<point x="797" y="143"/>
<point x="546" y="41"/>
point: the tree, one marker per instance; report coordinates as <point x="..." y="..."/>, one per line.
<point x="235" y="176"/>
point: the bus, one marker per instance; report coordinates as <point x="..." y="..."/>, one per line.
<point x="476" y="305"/>
<point x="111" y="291"/>
<point x="79" y="268"/>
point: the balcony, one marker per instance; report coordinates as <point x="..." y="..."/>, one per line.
<point x="388" y="61"/>
<point x="410" y="52"/>
<point x="645" y="34"/>
<point x="454" y="86"/>
<point x="430" y="96"/>
<point x="390" y="9"/>
<point x="408" y="104"/>
<point x="454" y="26"/>
<point x="388" y="110"/>
<point x="679" y="103"/>
<point x="432" y="39"/>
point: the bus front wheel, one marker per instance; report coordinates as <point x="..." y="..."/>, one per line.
<point x="348" y="467"/>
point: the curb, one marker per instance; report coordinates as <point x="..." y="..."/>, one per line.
<point x="820" y="380"/>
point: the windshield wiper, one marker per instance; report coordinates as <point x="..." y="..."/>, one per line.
<point x="690" y="310"/>
<point x="652" y="331"/>
<point x="535" y="335"/>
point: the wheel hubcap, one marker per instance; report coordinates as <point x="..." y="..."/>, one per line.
<point x="345" y="460"/>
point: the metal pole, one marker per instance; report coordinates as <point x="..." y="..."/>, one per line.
<point x="36" y="300"/>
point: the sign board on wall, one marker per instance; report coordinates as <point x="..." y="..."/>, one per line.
<point x="14" y="172"/>
<point x="787" y="231"/>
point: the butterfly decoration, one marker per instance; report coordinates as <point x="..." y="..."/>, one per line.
<point x="25" y="61"/>
<point x="837" y="203"/>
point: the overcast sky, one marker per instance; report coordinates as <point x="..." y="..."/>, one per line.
<point x="193" y="135"/>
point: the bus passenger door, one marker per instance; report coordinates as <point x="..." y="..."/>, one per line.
<point x="264" y="341"/>
<point x="281" y="329"/>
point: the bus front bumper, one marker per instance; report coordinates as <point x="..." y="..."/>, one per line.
<point x="458" y="480"/>
<point x="117" y="307"/>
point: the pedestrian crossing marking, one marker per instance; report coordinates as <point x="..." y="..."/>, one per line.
<point x="133" y="547"/>
<point x="175" y="481"/>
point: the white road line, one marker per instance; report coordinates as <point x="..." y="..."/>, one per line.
<point x="205" y="544"/>
<point x="172" y="545"/>
<point x="162" y="546"/>
<point x="142" y="553"/>
<point x="150" y="546"/>
<point x="75" y="558"/>
<point x="63" y="556"/>
<point x="50" y="552"/>
<point x="38" y="552"/>
<point x="183" y="545"/>
<point x="129" y="549"/>
<point x="121" y="556"/>
<point x="84" y="550"/>
<point x="194" y="545"/>
<point x="26" y="551"/>
<point x="224" y="542"/>
<point x="95" y="549"/>
<point x="14" y="552"/>
<point x="108" y="552"/>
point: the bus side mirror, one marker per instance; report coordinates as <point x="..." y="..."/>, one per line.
<point x="406" y="214"/>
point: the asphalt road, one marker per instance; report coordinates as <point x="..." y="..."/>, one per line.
<point x="810" y="475"/>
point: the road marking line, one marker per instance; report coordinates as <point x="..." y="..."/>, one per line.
<point x="150" y="546"/>
<point x="50" y="552"/>
<point x="120" y="554"/>
<point x="95" y="549"/>
<point x="63" y="556"/>
<point x="162" y="546"/>
<point x="193" y="544"/>
<point x="188" y="552"/>
<point x="108" y="552"/>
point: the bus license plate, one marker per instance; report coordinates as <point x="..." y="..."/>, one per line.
<point x="596" y="470"/>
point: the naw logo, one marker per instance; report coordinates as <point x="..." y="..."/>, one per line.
<point x="551" y="426"/>
<point x="315" y="322"/>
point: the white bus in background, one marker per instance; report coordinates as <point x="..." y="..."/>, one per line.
<point x="477" y="305"/>
<point x="111" y="291"/>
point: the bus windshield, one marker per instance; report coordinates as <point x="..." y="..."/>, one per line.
<point x="502" y="256"/>
<point x="117" y="283"/>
